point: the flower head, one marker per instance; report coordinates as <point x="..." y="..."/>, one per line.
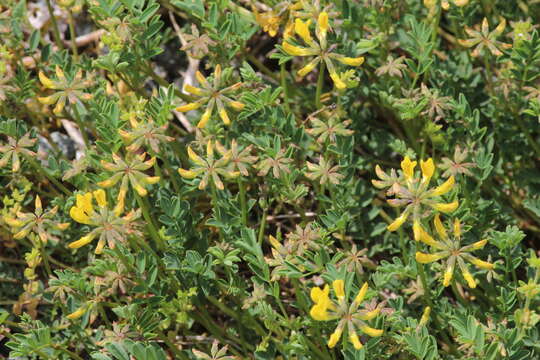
<point x="319" y="48"/>
<point x="14" y="149"/>
<point x="325" y="172"/>
<point x="39" y="222"/>
<point x="69" y="89"/>
<point x="212" y="94"/>
<point x="484" y="38"/>
<point x="146" y="134"/>
<point x="130" y="172"/>
<point x="450" y="250"/>
<point x="109" y="227"/>
<point x="209" y="167"/>
<point x="350" y="317"/>
<point x="414" y="193"/>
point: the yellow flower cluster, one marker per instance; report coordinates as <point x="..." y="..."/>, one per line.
<point x="319" y="49"/>
<point x="109" y="226"/>
<point x="449" y="248"/>
<point x="414" y="193"/>
<point x="350" y="317"/>
<point x="212" y="94"/>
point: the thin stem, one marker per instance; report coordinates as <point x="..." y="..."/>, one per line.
<point x="320" y="81"/>
<point x="243" y="204"/>
<point x="56" y="32"/>
<point x="45" y="257"/>
<point x="151" y="227"/>
<point x="72" y="35"/>
<point x="262" y="226"/>
<point x="215" y="206"/>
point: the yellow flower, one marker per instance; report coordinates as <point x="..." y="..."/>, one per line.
<point x="212" y="94"/>
<point x="67" y="89"/>
<point x="128" y="172"/>
<point x="77" y="313"/>
<point x="450" y="248"/>
<point x="210" y="168"/>
<point x="318" y="48"/>
<point x="109" y="227"/>
<point x="348" y="314"/>
<point x="414" y="193"/>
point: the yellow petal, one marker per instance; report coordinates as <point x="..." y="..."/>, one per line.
<point x="224" y="116"/>
<point x="322" y="22"/>
<point x="361" y="294"/>
<point x="47" y="100"/>
<point x="371" y="331"/>
<point x="448" y="274"/>
<point x="194" y="157"/>
<point x="237" y="105"/>
<point x="151" y="179"/>
<point x="428" y="168"/>
<point x="295" y="50"/>
<point x="370" y="314"/>
<point x="457" y="228"/>
<point x="276" y="244"/>
<point x="306" y="69"/>
<point x="424" y="258"/>
<point x="334" y="338"/>
<point x="425" y="316"/>
<point x="193" y="90"/>
<point x="140" y="189"/>
<point x="48" y="83"/>
<point x="79" y="215"/>
<point x="357" y="61"/>
<point x="482" y="264"/>
<point x="187" y="174"/>
<point x="77" y="313"/>
<point x="408" y="167"/>
<point x="355" y="341"/>
<point x="461" y="3"/>
<point x="189" y="107"/>
<point x="469" y="279"/>
<point x="319" y="313"/>
<point x="339" y="288"/>
<point x="204" y="118"/>
<point x="479" y="244"/>
<point x="337" y="81"/>
<point x="100" y="197"/>
<point x="446" y="208"/>
<point x="445" y="187"/>
<point x="85" y="240"/>
<point x="302" y="29"/>
<point x="396" y="224"/>
<point x="439" y="227"/>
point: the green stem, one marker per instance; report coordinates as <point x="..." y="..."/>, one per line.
<point x="45" y="257"/>
<point x="215" y="206"/>
<point x="56" y="32"/>
<point x="283" y="76"/>
<point x="262" y="226"/>
<point x="42" y="171"/>
<point x="243" y="205"/>
<point x="262" y="67"/>
<point x="72" y="35"/>
<point x="403" y="247"/>
<point x="151" y="227"/>
<point x="422" y="273"/>
<point x="320" y="81"/>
